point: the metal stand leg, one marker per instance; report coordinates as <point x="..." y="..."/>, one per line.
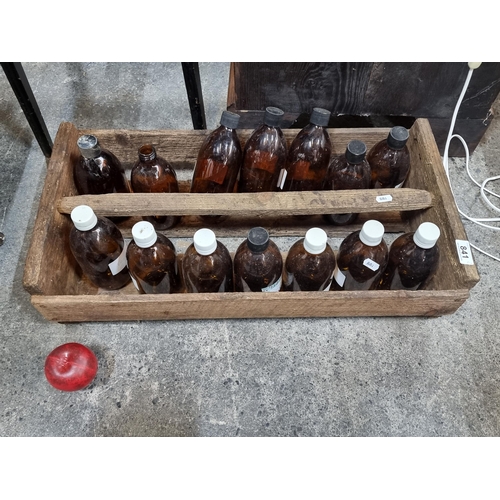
<point x="193" y="87"/>
<point x="21" y="87"/>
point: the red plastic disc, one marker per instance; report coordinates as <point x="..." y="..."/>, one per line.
<point x="71" y="367"/>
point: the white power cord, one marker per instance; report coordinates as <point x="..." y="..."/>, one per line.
<point x="483" y="190"/>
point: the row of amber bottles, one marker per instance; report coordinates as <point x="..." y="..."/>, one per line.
<point x="363" y="261"/>
<point x="266" y="164"/>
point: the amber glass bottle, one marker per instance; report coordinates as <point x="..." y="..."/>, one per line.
<point x="154" y="174"/>
<point x="152" y="261"/>
<point x="99" y="249"/>
<point x="98" y="171"/>
<point x="390" y="160"/>
<point x="264" y="155"/>
<point x="348" y="171"/>
<point x="219" y="159"/>
<point x="257" y="264"/>
<point x="310" y="263"/>
<point x="207" y="265"/>
<point x="309" y="155"/>
<point x="362" y="258"/>
<point x="413" y="259"/>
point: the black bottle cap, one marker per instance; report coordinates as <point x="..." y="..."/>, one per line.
<point x="320" y="117"/>
<point x="397" y="137"/>
<point x="355" y="152"/>
<point x="229" y="119"/>
<point x="273" y="116"/>
<point x="258" y="239"/>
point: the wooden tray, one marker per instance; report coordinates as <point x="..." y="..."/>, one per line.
<point x="60" y="292"/>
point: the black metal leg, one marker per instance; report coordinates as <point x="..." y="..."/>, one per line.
<point x="193" y="88"/>
<point x="21" y="87"/>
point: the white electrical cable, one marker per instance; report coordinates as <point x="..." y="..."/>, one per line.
<point x="483" y="190"/>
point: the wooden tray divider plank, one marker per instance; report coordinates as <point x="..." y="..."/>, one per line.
<point x="247" y="204"/>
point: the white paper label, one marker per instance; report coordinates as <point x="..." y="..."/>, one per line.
<point x="384" y="199"/>
<point x="281" y="179"/>
<point x="464" y="252"/>
<point x="135" y="283"/>
<point x="339" y="276"/>
<point x="118" y="264"/>
<point x="399" y="185"/>
<point x="327" y="289"/>
<point x="371" y="264"/>
<point x="275" y="287"/>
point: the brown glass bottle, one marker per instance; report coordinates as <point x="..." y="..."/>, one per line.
<point x="264" y="155"/>
<point x="361" y="258"/>
<point x="154" y="174"/>
<point x="152" y="261"/>
<point x="98" y="171"/>
<point x="348" y="171"/>
<point x="207" y="266"/>
<point x="308" y="156"/>
<point x="98" y="247"/>
<point x="258" y="263"/>
<point x="310" y="263"/>
<point x="413" y="259"/>
<point x="219" y="160"/>
<point x="389" y="160"/>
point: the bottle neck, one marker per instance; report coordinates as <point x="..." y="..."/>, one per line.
<point x="147" y="153"/>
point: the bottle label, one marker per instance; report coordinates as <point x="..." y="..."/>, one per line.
<point x="384" y="199"/>
<point x="327" y="289"/>
<point x="266" y="161"/>
<point x="301" y="171"/>
<point x="134" y="282"/>
<point x="339" y="276"/>
<point x="119" y="263"/>
<point x="281" y="179"/>
<point x="371" y="264"/>
<point x="214" y="171"/>
<point x="399" y="185"/>
<point x="275" y="287"/>
<point x="464" y="252"/>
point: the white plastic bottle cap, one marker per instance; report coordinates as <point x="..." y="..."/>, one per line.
<point x="83" y="217"/>
<point x="371" y="233"/>
<point x="144" y="234"/>
<point x="426" y="235"/>
<point x="204" y="241"/>
<point x="315" y="240"/>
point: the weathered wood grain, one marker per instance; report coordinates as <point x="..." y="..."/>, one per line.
<point x="248" y="204"/>
<point x="129" y="307"/>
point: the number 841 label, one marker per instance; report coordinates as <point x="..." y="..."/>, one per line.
<point x="464" y="252"/>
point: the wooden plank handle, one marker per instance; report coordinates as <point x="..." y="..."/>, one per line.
<point x="247" y="204"/>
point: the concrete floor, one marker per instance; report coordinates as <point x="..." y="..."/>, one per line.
<point x="287" y="377"/>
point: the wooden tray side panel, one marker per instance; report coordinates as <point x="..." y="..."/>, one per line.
<point x="248" y="305"/>
<point x="50" y="268"/>
<point x="428" y="173"/>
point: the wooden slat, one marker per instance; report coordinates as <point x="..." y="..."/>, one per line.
<point x="247" y="204"/>
<point x="249" y="305"/>
<point x="181" y="147"/>
<point x="238" y="227"/>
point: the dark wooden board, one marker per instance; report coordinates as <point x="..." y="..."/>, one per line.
<point x="398" y="90"/>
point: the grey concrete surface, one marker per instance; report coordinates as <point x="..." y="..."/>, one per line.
<point x="287" y="377"/>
